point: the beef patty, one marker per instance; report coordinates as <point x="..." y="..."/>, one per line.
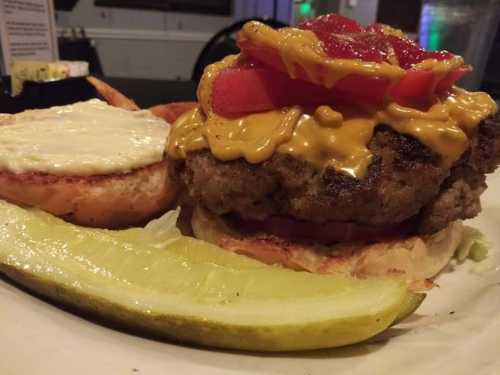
<point x="404" y="180"/>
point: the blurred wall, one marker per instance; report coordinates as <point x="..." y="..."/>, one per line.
<point x="155" y="44"/>
<point x="164" y="45"/>
<point x="143" y="43"/>
<point x="264" y="9"/>
<point x="363" y="11"/>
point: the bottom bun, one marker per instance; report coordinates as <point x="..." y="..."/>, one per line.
<point x="416" y="259"/>
<point x="104" y="201"/>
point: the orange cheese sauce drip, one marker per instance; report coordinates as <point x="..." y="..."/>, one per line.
<point x="329" y="137"/>
<point x="326" y="136"/>
<point x="330" y="140"/>
<point x="302" y="50"/>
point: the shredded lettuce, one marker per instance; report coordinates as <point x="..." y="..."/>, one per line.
<point x="474" y="245"/>
<point x="163" y="231"/>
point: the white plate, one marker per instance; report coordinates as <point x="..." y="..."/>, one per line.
<point x="456" y="331"/>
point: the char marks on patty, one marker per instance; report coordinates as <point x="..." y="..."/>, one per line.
<point x="405" y="180"/>
<point x="459" y="195"/>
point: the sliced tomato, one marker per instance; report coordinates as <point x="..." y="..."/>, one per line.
<point x="420" y="84"/>
<point x="344" y="38"/>
<point x="359" y="88"/>
<point x="253" y="88"/>
<point x="325" y="233"/>
<point x="331" y="24"/>
<point x="451" y="78"/>
<point x="249" y="90"/>
<point x="246" y="90"/>
<point x="415" y="84"/>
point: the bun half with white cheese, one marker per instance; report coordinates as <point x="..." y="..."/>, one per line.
<point x="89" y="163"/>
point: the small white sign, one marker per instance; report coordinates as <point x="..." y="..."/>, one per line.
<point x="27" y="31"/>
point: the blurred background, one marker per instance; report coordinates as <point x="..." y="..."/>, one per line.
<point x="172" y="40"/>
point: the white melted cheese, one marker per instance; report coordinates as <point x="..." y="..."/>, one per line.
<point x="86" y="138"/>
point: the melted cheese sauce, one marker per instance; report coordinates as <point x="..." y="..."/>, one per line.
<point x="86" y="138"/>
<point x="342" y="146"/>
<point x="327" y="136"/>
<point x="300" y="50"/>
<point x="254" y="137"/>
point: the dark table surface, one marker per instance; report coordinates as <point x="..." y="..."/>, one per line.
<point x="145" y="92"/>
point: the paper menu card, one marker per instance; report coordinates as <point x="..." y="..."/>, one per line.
<point x="27" y="31"/>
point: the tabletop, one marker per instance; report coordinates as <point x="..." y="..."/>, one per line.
<point x="145" y="92"/>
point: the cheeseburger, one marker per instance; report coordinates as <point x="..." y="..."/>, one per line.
<point x="332" y="147"/>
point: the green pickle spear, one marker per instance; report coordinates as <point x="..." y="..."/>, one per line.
<point x="187" y="290"/>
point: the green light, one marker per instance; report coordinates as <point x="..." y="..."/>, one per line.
<point x="434" y="35"/>
<point x="305" y="9"/>
<point x="433" y="41"/>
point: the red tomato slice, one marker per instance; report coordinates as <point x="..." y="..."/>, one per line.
<point x="245" y="90"/>
<point x="325" y="233"/>
<point x="257" y="89"/>
<point x="249" y="90"/>
<point x="449" y="80"/>
<point x="415" y="84"/>
<point x="365" y="89"/>
<point x="331" y="24"/>
<point x="414" y="87"/>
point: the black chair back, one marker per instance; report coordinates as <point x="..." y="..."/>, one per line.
<point x="222" y="44"/>
<point x="78" y="47"/>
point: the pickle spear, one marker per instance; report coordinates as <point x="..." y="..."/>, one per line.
<point x="186" y="290"/>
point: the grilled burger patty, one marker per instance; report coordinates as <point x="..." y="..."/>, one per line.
<point x="405" y="180"/>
